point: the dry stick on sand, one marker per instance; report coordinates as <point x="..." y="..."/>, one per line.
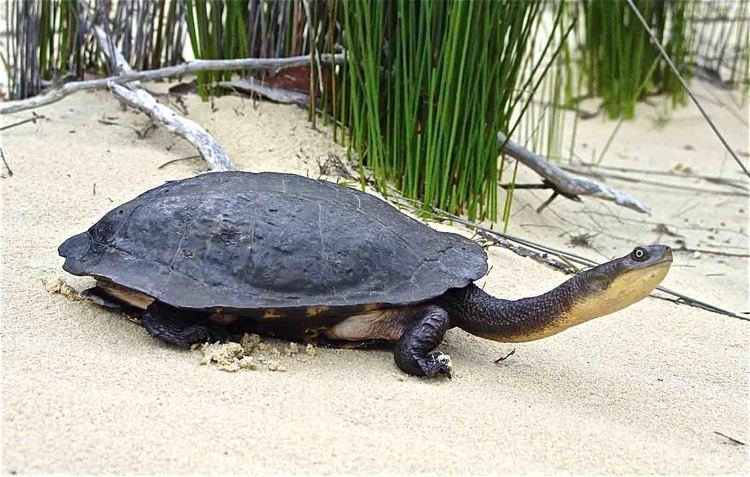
<point x="5" y="163"/>
<point x="190" y="67"/>
<point x="138" y="98"/>
<point x="736" y="183"/>
<point x="19" y="123"/>
<point x="564" y="183"/>
<point x="595" y="173"/>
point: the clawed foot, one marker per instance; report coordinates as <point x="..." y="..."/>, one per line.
<point x="436" y="363"/>
<point x="414" y="351"/>
<point x="183" y="336"/>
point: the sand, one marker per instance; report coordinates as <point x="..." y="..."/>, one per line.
<point x="86" y="390"/>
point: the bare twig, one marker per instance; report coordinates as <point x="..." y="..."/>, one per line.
<point x="5" y="163"/>
<point x="278" y="95"/>
<point x="138" y="98"/>
<point x="209" y="149"/>
<point x="311" y="35"/>
<point x="740" y="184"/>
<point x="713" y="252"/>
<point x="564" y="183"/>
<point x="731" y="439"/>
<point x="503" y="358"/>
<point x="190" y="67"/>
<point x="596" y="173"/>
<point x="29" y="120"/>
<point x="196" y="156"/>
<point x="547" y="202"/>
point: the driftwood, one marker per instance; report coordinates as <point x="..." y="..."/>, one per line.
<point x="736" y="183"/>
<point x="136" y="97"/>
<point x="565" y="184"/>
<point x="56" y="94"/>
<point x="209" y="149"/>
<point x="588" y="171"/>
<point x="278" y="95"/>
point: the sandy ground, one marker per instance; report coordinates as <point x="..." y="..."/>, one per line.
<point x="85" y="390"/>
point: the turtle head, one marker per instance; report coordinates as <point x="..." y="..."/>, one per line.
<point x="618" y="283"/>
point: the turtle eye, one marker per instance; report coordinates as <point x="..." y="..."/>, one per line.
<point x="640" y="254"/>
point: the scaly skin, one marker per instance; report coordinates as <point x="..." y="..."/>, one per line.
<point x="596" y="292"/>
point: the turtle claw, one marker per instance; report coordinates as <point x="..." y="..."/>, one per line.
<point x="436" y="363"/>
<point x="412" y="350"/>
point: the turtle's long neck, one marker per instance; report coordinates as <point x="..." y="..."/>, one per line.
<point x="527" y="319"/>
<point x="592" y="293"/>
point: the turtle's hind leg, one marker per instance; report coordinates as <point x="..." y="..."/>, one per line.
<point x="99" y="296"/>
<point x="178" y="327"/>
<point x="413" y="351"/>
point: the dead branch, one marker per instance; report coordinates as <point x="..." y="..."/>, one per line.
<point x="138" y="98"/>
<point x="737" y="183"/>
<point x="209" y="149"/>
<point x="190" y="67"/>
<point x="196" y="156"/>
<point x="564" y="183"/>
<point x="503" y="358"/>
<point x="594" y="173"/>
<point x="731" y="439"/>
<point x="278" y="95"/>
<point x="32" y="119"/>
<point x="5" y="163"/>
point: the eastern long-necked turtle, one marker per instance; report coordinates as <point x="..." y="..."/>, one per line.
<point x="303" y="259"/>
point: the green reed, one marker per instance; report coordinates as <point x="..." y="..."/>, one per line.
<point x="431" y="84"/>
<point x="617" y="53"/>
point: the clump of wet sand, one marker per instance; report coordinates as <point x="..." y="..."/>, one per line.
<point x="60" y="287"/>
<point x="251" y="353"/>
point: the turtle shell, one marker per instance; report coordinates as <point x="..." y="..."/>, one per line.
<point x="253" y="241"/>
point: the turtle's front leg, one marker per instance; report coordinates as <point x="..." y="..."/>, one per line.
<point x="162" y="321"/>
<point x="413" y="350"/>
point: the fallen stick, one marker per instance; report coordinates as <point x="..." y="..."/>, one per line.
<point x="278" y="95"/>
<point x="564" y="183"/>
<point x="740" y="184"/>
<point x="5" y="163"/>
<point x="195" y="156"/>
<point x="138" y="98"/>
<point x="209" y="149"/>
<point x="56" y="94"/>
<point x="19" y="123"/>
<point x="620" y="177"/>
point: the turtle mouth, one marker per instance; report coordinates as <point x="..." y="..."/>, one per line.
<point x="631" y="283"/>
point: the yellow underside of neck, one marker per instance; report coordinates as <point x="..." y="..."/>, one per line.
<point x="627" y="289"/>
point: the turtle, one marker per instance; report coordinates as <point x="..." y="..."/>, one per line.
<point x="225" y="253"/>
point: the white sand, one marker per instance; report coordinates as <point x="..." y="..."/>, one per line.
<point x="87" y="391"/>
